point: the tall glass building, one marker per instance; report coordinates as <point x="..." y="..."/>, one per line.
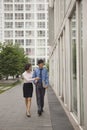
<point x="68" y="57"/>
<point x="25" y="22"/>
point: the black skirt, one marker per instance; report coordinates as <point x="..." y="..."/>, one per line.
<point x="27" y="90"/>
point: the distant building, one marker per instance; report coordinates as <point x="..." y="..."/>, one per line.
<point x="25" y="22"/>
<point x="68" y="56"/>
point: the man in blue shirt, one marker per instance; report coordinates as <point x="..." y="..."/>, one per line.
<point x="41" y="84"/>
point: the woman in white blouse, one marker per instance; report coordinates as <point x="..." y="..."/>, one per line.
<point x="28" y="87"/>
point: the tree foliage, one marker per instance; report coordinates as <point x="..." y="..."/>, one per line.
<point x="12" y="60"/>
<point x="47" y="65"/>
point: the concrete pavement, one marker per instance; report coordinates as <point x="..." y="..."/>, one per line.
<point x="12" y="113"/>
<point x="58" y="116"/>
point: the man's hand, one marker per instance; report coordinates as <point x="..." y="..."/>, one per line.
<point x="46" y="87"/>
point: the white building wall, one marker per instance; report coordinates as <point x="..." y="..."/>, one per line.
<point x="85" y="61"/>
<point x="28" y="26"/>
<point x="68" y="82"/>
<point x="1" y="23"/>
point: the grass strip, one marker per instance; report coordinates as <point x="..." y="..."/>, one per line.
<point x="8" y="86"/>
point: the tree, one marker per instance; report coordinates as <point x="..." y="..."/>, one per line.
<point x="47" y="65"/>
<point x="12" y="60"/>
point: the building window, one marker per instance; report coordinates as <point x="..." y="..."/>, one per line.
<point x="40" y="7"/>
<point x="30" y="42"/>
<point x="19" y="33"/>
<point x="41" y="52"/>
<point x="81" y="64"/>
<point x="46" y="7"/>
<point x="48" y="43"/>
<point x="29" y="7"/>
<point x="41" y="16"/>
<point x="29" y="16"/>
<point x="29" y="0"/>
<point x="8" y="7"/>
<point x="29" y="25"/>
<point x="19" y="24"/>
<point x="32" y="61"/>
<point x="8" y="24"/>
<point x="41" y="1"/>
<point x="62" y="8"/>
<point x="8" y="0"/>
<point x="19" y="16"/>
<point x="30" y="51"/>
<point x="74" y="62"/>
<point x="48" y="51"/>
<point x="19" y="42"/>
<point x="29" y="34"/>
<point x="41" y="33"/>
<point x="8" y="34"/>
<point x="19" y="7"/>
<point x="41" y="25"/>
<point x="9" y="41"/>
<point x="41" y="42"/>
<point x="19" y="0"/>
<point x="8" y="16"/>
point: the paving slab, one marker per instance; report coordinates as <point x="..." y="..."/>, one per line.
<point x="59" y="118"/>
<point x="13" y="117"/>
<point x="12" y="112"/>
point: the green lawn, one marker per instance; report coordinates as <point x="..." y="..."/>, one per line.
<point x="6" y="86"/>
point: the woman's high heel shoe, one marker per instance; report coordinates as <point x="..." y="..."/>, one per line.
<point x="28" y="114"/>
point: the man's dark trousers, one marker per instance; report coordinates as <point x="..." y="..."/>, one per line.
<point x="40" y="93"/>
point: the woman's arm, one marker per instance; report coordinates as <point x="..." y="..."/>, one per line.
<point x="29" y="79"/>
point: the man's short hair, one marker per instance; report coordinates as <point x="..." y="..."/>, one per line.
<point x="40" y="61"/>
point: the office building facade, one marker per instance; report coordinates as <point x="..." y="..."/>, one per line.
<point x="68" y="56"/>
<point x="25" y="22"/>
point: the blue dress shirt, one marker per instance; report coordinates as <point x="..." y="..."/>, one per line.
<point x="44" y="76"/>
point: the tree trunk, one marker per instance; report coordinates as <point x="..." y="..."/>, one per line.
<point x="7" y="77"/>
<point x="13" y="76"/>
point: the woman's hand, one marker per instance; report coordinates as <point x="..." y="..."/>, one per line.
<point x="37" y="78"/>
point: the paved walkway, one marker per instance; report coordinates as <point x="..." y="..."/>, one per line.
<point x="12" y="113"/>
<point x="58" y="116"/>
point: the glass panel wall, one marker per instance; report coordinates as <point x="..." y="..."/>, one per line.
<point x="81" y="63"/>
<point x="74" y="62"/>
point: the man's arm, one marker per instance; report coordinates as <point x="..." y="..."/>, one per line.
<point x="47" y="78"/>
<point x="34" y="76"/>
